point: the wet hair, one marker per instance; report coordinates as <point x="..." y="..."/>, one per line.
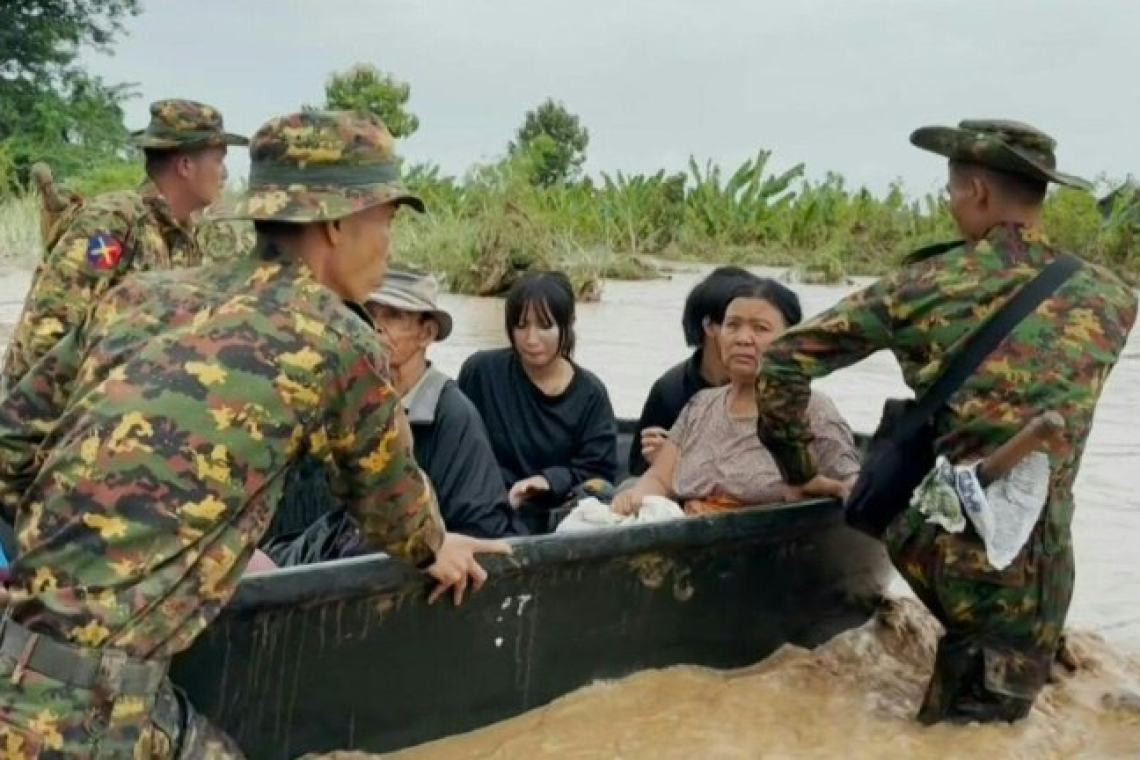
<point x="776" y="293"/>
<point x="551" y="296"/>
<point x="709" y="299"/>
<point x="1024" y="191"/>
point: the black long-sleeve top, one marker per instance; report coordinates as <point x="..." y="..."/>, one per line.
<point x="667" y="397"/>
<point x="568" y="438"/>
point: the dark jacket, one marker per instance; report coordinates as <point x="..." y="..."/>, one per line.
<point x="451" y="446"/>
<point x="667" y="397"/>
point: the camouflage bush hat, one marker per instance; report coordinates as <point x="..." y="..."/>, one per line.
<point x="411" y="291"/>
<point x="317" y="166"/>
<point x="1005" y="146"/>
<point x="184" y="124"/>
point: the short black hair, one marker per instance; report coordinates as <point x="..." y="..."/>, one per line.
<point x="156" y="160"/>
<point x="709" y="298"/>
<point x="776" y="293"/>
<point x="267" y="234"/>
<point x="551" y="296"/>
<point x="1025" y="191"/>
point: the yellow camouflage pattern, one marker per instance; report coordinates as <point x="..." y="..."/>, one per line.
<point x="319" y="166"/>
<point x="180" y="124"/>
<point x="1003" y="628"/>
<point x="66" y="282"/>
<point x="193" y="392"/>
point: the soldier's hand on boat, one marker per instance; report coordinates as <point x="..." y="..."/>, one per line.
<point x="455" y="564"/>
<point x="526" y="488"/>
<point x="652" y="439"/>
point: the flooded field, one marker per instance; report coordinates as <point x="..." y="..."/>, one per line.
<point x="854" y="697"/>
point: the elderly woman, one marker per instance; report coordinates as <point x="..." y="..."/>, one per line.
<point x="713" y="459"/>
<point x="551" y="423"/>
<point x="700" y="321"/>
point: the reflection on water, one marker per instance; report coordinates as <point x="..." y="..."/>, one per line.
<point x="854" y="697"/>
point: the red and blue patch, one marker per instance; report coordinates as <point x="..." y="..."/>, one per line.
<point x="103" y="251"/>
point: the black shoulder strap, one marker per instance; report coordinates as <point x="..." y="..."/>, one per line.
<point x="983" y="342"/>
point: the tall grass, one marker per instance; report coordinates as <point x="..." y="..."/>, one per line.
<point x="20" y="230"/>
<point x="485" y="228"/>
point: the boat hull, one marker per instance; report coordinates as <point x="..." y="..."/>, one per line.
<point x="349" y="655"/>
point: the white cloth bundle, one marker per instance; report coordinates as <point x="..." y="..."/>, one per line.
<point x="1002" y="514"/>
<point x="591" y="514"/>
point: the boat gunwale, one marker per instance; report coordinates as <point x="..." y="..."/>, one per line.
<point x="377" y="574"/>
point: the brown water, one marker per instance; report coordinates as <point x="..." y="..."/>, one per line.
<point x="853" y="697"/>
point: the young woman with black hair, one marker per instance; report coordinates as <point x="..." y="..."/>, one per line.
<point x="550" y="421"/>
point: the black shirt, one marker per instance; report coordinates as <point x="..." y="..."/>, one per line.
<point x="568" y="439"/>
<point x="667" y="397"/>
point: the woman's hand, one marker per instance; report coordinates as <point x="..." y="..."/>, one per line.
<point x="259" y="563"/>
<point x="819" y="487"/>
<point x="627" y="502"/>
<point x="527" y="488"/>
<point x="652" y="439"/>
<point x="455" y="564"/>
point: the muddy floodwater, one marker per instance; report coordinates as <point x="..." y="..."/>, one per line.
<point x="854" y="696"/>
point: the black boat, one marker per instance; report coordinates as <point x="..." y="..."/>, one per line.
<point x="349" y="655"/>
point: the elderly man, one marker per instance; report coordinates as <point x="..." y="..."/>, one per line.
<point x="449" y="440"/>
<point x="140" y="496"/>
<point x="1003" y="626"/>
<point x="110" y="235"/>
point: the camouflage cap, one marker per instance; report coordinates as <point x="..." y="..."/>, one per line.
<point x="1005" y="146"/>
<point x="184" y="124"/>
<point x="318" y="166"/>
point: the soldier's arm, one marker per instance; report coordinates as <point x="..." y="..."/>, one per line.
<point x="77" y="271"/>
<point x="28" y="414"/>
<point x="853" y="329"/>
<point x="376" y="473"/>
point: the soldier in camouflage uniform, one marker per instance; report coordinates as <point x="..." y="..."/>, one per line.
<point x="194" y="393"/>
<point x="113" y="234"/>
<point x="1002" y="627"/>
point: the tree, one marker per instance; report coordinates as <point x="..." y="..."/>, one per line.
<point x="364" y="87"/>
<point x="50" y="109"/>
<point x="554" y="140"/>
<point x="41" y="38"/>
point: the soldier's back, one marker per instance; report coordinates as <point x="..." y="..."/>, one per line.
<point x="1057" y="358"/>
<point x="196" y="390"/>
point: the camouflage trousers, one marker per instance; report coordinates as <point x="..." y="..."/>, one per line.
<point x="1003" y="627"/>
<point x="45" y="718"/>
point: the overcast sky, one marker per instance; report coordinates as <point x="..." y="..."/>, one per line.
<point x="836" y="84"/>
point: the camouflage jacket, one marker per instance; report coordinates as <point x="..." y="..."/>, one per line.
<point x="194" y="391"/>
<point x="106" y="237"/>
<point x="1057" y="358"/>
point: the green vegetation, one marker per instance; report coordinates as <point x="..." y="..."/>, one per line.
<point x="49" y="106"/>
<point x="364" y="87"/>
<point x="534" y="208"/>
<point x="489" y="226"/>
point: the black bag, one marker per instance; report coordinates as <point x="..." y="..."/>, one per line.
<point x="901" y="451"/>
